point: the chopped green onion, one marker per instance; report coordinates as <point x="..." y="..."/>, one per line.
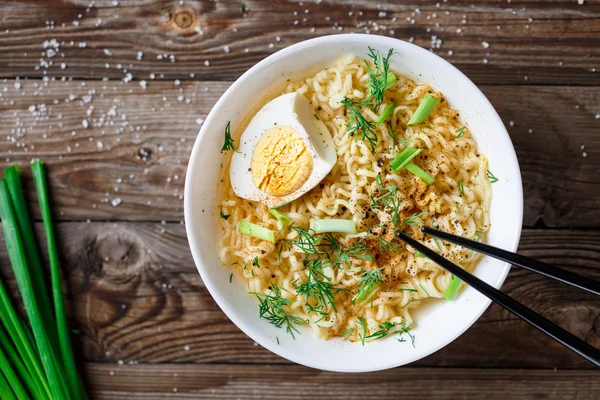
<point x="391" y="80"/>
<point x="332" y="225"/>
<point x="419" y="173"/>
<point x="404" y="158"/>
<point x="452" y="289"/>
<point x="282" y="217"/>
<point x="246" y="227"/>
<point x="17" y="257"/>
<point x="387" y="112"/>
<point x="424" y="109"/>
<point x="364" y="296"/>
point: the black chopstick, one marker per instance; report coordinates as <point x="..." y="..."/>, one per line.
<point x="549" y="328"/>
<point x="548" y="270"/>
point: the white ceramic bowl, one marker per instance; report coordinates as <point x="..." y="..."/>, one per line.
<point x="436" y="324"/>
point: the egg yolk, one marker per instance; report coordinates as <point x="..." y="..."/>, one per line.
<point x="281" y="162"/>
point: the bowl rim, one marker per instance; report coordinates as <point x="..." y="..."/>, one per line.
<point x="252" y="332"/>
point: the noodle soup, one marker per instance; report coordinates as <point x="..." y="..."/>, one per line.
<point x="355" y="279"/>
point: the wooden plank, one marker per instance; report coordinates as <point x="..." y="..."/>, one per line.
<point x="185" y="381"/>
<point x="147" y="135"/>
<point x="550" y="42"/>
<point x="137" y="297"/>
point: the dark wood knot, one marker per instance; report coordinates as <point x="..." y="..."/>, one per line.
<point x="183" y="18"/>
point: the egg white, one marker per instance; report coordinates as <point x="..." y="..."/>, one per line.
<point x="295" y="111"/>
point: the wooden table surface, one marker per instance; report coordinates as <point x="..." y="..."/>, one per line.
<point x="110" y="94"/>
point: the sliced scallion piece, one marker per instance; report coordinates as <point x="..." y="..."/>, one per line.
<point x="387" y="112"/>
<point x="390" y="80"/>
<point x="452" y="289"/>
<point x="364" y="296"/>
<point x="282" y="217"/>
<point x="246" y="227"/>
<point x="419" y="173"/>
<point x="332" y="225"/>
<point x="424" y="109"/>
<point x="404" y="158"/>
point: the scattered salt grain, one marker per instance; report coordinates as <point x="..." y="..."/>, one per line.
<point x="108" y="52"/>
<point x="580" y="2"/>
<point x="186" y="348"/>
<point x="143" y="84"/>
<point x="140" y="55"/>
<point x="227" y="49"/>
<point x="511" y="123"/>
<point x="31" y="109"/>
<point x="100" y="144"/>
<point x="485" y="45"/>
<point x="85" y="123"/>
<point x="206" y="63"/>
<point x="199" y="121"/>
<point x="116" y="201"/>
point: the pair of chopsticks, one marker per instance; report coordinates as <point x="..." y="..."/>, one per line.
<point x="549" y="328"/>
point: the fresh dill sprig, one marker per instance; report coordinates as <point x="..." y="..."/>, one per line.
<point x="368" y="286"/>
<point x="255" y="262"/>
<point x="387" y="199"/>
<point x="358" y="123"/>
<point x="363" y="324"/>
<point x="360" y="251"/>
<point x="224" y="216"/>
<point x="385" y="194"/>
<point x="306" y="242"/>
<point x="319" y="290"/>
<point x="491" y="177"/>
<point x="389" y="247"/>
<point x="271" y="309"/>
<point x="378" y="78"/>
<point x="230" y="278"/>
<point x="229" y="144"/>
<point x="460" y="131"/>
<point x="461" y="186"/>
<point x="406" y="329"/>
<point x="385" y="329"/>
<point x="412" y="220"/>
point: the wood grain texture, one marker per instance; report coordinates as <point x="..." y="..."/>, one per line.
<point x="151" y="382"/>
<point x="137" y="144"/>
<point x="137" y="297"/>
<point x="530" y="42"/>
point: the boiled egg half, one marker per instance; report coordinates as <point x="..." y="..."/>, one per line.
<point x="285" y="151"/>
